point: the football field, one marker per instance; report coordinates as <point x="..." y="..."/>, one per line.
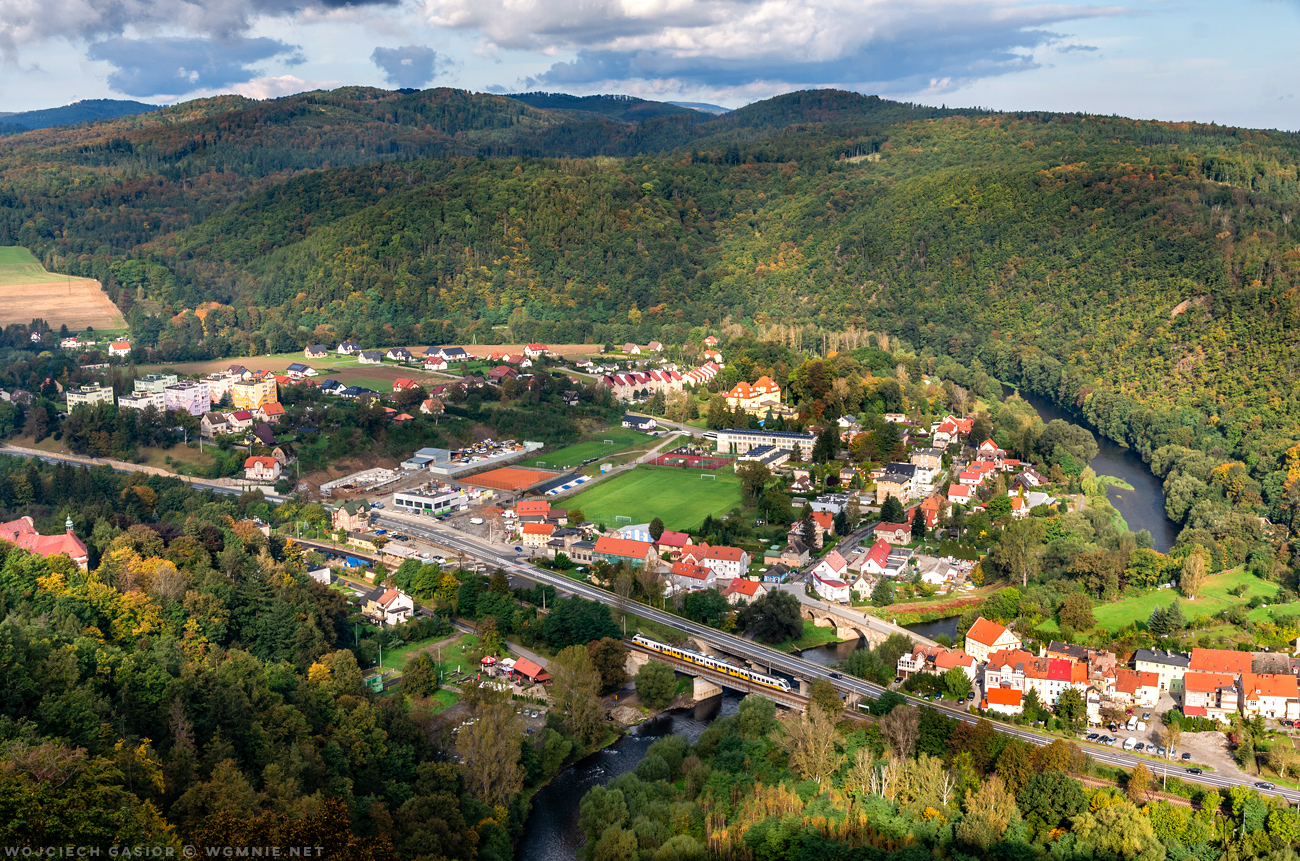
<point x="678" y="496"/>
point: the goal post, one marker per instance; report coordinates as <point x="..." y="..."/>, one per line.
<point x="708" y="476"/>
<point x="622" y="519"/>
<point x="609" y="442"/>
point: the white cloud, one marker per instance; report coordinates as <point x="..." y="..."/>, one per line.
<point x="274" y="87"/>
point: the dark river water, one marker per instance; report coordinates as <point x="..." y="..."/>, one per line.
<point x="552" y="833"/>
<point x="1143" y="507"/>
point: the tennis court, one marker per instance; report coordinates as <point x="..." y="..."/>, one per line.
<point x="509" y="478"/>
<point x="692" y="461"/>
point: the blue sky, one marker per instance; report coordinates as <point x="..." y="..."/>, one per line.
<point x="1233" y="63"/>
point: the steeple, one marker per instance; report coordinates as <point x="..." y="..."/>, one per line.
<point x="68" y="524"/>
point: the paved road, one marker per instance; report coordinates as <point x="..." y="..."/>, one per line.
<point x="791" y="665"/>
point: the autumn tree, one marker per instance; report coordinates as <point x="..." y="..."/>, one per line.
<point x="1076" y="612"/>
<point x="1138" y="787"/>
<point x="810" y="743"/>
<point x="575" y="694"/>
<point x="609" y="657"/>
<point x="1193" y="575"/>
<point x="900" y="729"/>
<point x="490" y="744"/>
<point x="823" y="695"/>
<point x="989" y="811"/>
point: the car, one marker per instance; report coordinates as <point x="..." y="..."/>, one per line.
<point x="519" y="550"/>
<point x="1146" y="715"/>
<point x="1128" y="711"/>
<point x="1092" y="736"/>
<point x="1264" y="784"/>
<point x="1139" y="747"/>
<point x="835" y="675"/>
<point x="1187" y="757"/>
<point x="1160" y="751"/>
<point x="381" y="531"/>
<point x="377" y="505"/>
<point x="1193" y="771"/>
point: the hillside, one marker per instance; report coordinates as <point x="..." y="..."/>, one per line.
<point x="84" y="111"/>
<point x="1144" y="272"/>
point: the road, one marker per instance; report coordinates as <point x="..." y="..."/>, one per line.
<point x="761" y="656"/>
<point x="122" y="466"/>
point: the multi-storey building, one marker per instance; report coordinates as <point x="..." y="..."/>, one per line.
<point x="188" y="395"/>
<point x="251" y="394"/>
<point x="89" y="396"/>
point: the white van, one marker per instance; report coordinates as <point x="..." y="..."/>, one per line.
<point x="1132" y="724"/>
<point x="1142" y="726"/>
<point x="1130" y="743"/>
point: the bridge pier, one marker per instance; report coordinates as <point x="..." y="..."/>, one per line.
<point x="635" y="661"/>
<point x="705" y="690"/>
<point x="805" y="689"/>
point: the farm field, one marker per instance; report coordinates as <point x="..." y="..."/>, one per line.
<point x="28" y="292"/>
<point x="678" y="496"/>
<point x="571" y="456"/>
<point x="1214" y="598"/>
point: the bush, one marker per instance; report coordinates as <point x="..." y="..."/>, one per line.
<point x="656" y="684"/>
<point x="653" y="768"/>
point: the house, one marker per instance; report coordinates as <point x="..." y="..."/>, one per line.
<point x="570" y="398"/>
<point x="535" y="351"/>
<point x="795" y="554"/>
<point x="322" y="576"/>
<point x="742" y="589"/>
<point x="1270" y="695"/>
<point x="389" y="606"/>
<point x="641" y="423"/>
<point x="1220" y="661"/>
<point x="538" y="508"/>
<point x="986" y="637"/>
<point x="213" y="423"/>
<point x="935" y="660"/>
<point x="894" y="533"/>
<point x="449" y="354"/>
<point x="1028" y="480"/>
<point x="756" y="399"/>
<point x="959" y="494"/>
<point x="989" y="448"/>
<point x="119" y="348"/>
<point x="832" y="590"/>
<point x="435" y="363"/>
<point x="399" y="354"/>
<point x="271" y="412"/>
<point x="315" y="351"/>
<point x="832" y="566"/>
<point x="297" y="370"/>
<point x="1134" y="688"/>
<point x="431" y="407"/>
<point x="262" y="469"/>
<point x="1006" y="669"/>
<point x="401" y="384"/>
<point x="1051" y="677"/>
<point x="689" y="577"/>
<point x="284" y="454"/>
<point x="1004" y="701"/>
<point x="932" y="508"/>
<point x="348" y="348"/>
<point x="263" y="433"/>
<point x="502" y="372"/>
<point x="825" y="522"/>
<point x="22" y="532"/>
<point x="927" y="458"/>
<point x="672" y="542"/>
<point x="1212" y="695"/>
<point x="351" y="517"/>
<point x="536" y="534"/>
<point x="529" y="673"/>
<point x="631" y="349"/>
<point x="713" y="356"/>
<point x="89" y="396"/>
<point x="875" y="561"/>
<point x="616" y="550"/>
<point x="725" y="562"/>
<point x="371" y="357"/>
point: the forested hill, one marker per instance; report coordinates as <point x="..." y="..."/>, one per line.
<point x="1144" y="271"/>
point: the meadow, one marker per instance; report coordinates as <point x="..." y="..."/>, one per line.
<point x="621" y="439"/>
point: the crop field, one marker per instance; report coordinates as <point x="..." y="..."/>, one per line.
<point x="571" y="456"/>
<point x="680" y="497"/>
<point x="27" y="292"/>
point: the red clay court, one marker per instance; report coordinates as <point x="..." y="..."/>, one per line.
<point x="691" y="461"/>
<point x="509" y="478"/>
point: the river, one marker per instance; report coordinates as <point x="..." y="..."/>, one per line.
<point x="1143" y="507"/>
<point x="551" y="832"/>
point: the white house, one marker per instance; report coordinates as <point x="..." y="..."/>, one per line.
<point x="688" y="577"/>
<point x="348" y="348"/>
<point x="986" y="637"/>
<point x="371" y="357"/>
<point x="393" y="607"/>
<point x="534" y="351"/>
<point x="119" y="348"/>
<point x="832" y="566"/>
<point x="959" y="494"/>
<point x="725" y="562"/>
<point x="262" y="469"/>
<point x="745" y="590"/>
<point x="832" y="590"/>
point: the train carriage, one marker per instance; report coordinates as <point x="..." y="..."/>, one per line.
<point x="714" y="664"/>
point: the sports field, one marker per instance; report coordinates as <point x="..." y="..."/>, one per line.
<point x="678" y="496"/>
<point x="573" y="455"/>
<point x="27" y="291"/>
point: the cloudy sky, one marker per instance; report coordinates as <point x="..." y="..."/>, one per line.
<point x="1229" y="62"/>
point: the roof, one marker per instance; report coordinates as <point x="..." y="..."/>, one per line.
<point x="668" y="538"/>
<point x="1260" y="685"/>
<point x="266" y="462"/>
<point x="1004" y="697"/>
<point x="959" y="490"/>
<point x="946" y="659"/>
<point x="537" y="673"/>
<point x="1220" y="661"/>
<point x="1159" y="656"/>
<point x="985" y="632"/>
<point x="686" y="569"/>
<point x="1128" y="681"/>
<point x="275" y="408"/>
<point x="624" y="547"/>
<point x="388" y="598"/>
<point x="741" y="586"/>
<point x="824" y="519"/>
<point x="879" y="552"/>
<point x="538" y="528"/>
<point x="725" y="554"/>
<point x="835" y="561"/>
<point x="121" y="345"/>
<point x="23" y="533"/>
<point x="892" y="527"/>
<point x="1206" y="682"/>
<point x="532" y="508"/>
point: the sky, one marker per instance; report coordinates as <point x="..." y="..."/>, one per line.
<point x="1207" y="60"/>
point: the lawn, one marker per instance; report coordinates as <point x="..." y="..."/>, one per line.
<point x="1214" y="598"/>
<point x="678" y="496"/>
<point x="20" y="266"/>
<point x="180" y="454"/>
<point x="813" y="636"/>
<point x="621" y="439"/>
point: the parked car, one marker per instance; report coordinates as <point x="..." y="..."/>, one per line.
<point x="1187" y="757"/>
<point x="1092" y="736"/>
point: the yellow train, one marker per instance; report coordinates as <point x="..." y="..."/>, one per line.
<point x="712" y="663"/>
